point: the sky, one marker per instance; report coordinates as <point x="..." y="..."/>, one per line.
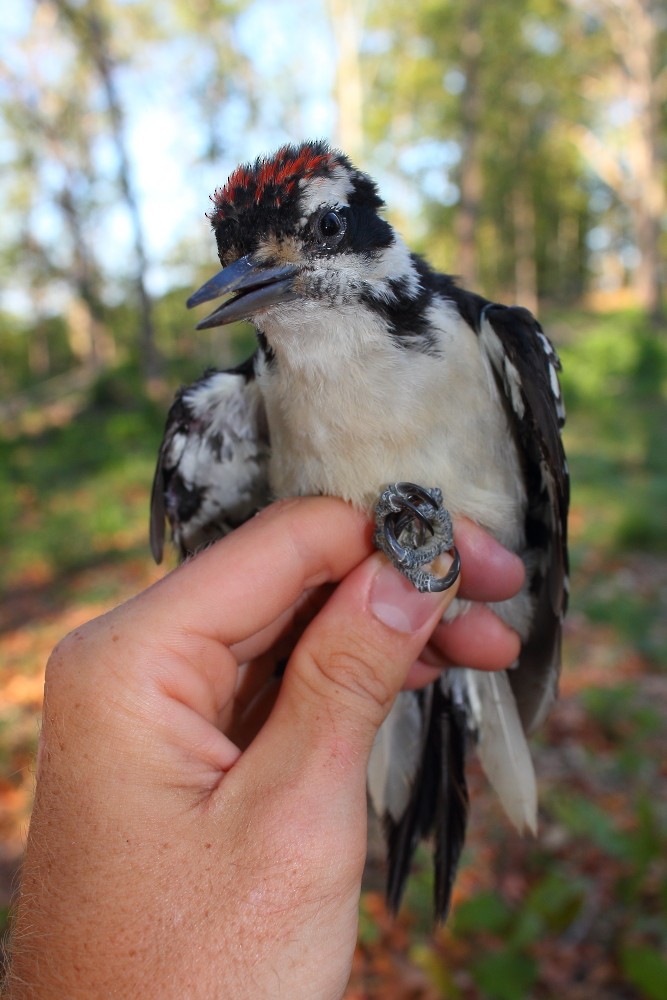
<point x="282" y="39"/>
<point x="291" y="54"/>
<point x="160" y="137"/>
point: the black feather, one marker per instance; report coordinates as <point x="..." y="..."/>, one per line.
<point x="438" y="802"/>
<point x="452" y="806"/>
<point x="537" y="430"/>
<point x="210" y="499"/>
<point x="417" y="820"/>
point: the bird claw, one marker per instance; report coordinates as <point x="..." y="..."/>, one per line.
<point x="404" y="514"/>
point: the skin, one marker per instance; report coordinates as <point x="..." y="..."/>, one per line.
<point x="191" y="837"/>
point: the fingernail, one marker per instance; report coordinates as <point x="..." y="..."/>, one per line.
<point x="397" y="603"/>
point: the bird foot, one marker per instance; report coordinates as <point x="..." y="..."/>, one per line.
<point x="412" y="528"/>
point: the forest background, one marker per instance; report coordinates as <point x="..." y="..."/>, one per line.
<point x="520" y="146"/>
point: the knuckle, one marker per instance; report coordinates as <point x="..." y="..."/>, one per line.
<point x="78" y="659"/>
<point x="66" y="651"/>
<point x="356" y="674"/>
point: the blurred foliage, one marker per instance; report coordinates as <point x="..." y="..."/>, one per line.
<point x="70" y="489"/>
<point x="438" y="117"/>
<point x="615" y="384"/>
<point x="509" y="140"/>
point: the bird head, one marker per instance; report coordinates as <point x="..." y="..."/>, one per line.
<point x="303" y="224"/>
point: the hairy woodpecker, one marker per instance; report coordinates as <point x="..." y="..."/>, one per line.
<point x="371" y="368"/>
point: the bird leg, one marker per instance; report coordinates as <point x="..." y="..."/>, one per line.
<point x="412" y="528"/>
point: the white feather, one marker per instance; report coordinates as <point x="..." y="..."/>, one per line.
<point x="395" y="757"/>
<point x="503" y="749"/>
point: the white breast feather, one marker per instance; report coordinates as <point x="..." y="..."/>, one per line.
<point x="350" y="411"/>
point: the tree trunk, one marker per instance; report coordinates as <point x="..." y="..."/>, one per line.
<point x="635" y="170"/>
<point x="471" y="182"/>
<point x="525" y="266"/>
<point x="90" y="338"/>
<point x="103" y="61"/>
<point x="641" y="60"/>
<point x="347" y="20"/>
<point x="92" y="31"/>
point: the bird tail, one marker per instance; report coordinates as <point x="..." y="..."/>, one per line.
<point x="416" y="781"/>
<point x="416" y="773"/>
<point x="451" y="818"/>
<point x="503" y="748"/>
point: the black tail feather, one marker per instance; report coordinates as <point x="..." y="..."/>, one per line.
<point x="417" y="820"/>
<point x="452" y="808"/>
<point x="439" y="801"/>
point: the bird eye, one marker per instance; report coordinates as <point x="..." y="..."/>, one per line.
<point x="330" y="227"/>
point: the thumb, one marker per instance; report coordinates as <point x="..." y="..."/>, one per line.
<point x="303" y="778"/>
<point x="352" y="661"/>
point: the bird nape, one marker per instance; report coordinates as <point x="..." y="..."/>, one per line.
<point x="371" y="369"/>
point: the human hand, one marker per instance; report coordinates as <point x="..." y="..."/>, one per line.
<point x="165" y="861"/>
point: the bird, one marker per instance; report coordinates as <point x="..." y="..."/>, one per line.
<point x="375" y="375"/>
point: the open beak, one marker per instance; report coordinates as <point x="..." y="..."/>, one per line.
<point x="252" y="286"/>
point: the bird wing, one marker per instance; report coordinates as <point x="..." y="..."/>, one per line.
<point x="526" y="368"/>
<point x="212" y="468"/>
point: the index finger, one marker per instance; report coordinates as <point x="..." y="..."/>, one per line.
<point x="246" y="581"/>
<point x="489" y="572"/>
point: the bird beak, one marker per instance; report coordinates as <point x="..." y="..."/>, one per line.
<point x="253" y="287"/>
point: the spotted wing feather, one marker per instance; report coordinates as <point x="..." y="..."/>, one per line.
<point x="526" y="368"/>
<point x="212" y="469"/>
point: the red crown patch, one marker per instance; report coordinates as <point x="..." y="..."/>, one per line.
<point x="278" y="175"/>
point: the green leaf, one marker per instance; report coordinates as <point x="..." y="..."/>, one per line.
<point x="436" y="969"/>
<point x="552" y="904"/>
<point x="645" y="968"/>
<point x="505" y="975"/>
<point x="369" y="933"/>
<point x="585" y="818"/>
<point x="484" y="912"/>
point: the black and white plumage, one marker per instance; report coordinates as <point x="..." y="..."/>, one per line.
<point x="212" y="471"/>
<point x="372" y="368"/>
